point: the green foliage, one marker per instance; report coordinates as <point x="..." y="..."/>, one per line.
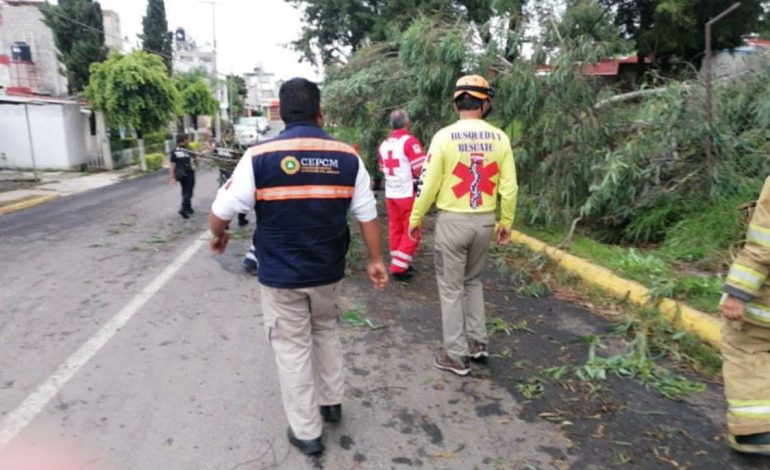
<point x="672" y="30"/>
<point x="156" y="38"/>
<point x="196" y="96"/>
<point x="497" y="325"/>
<point x="356" y="318"/>
<point x="637" y="362"/>
<point x="197" y="99"/>
<point x="381" y="77"/>
<point x="586" y="19"/>
<point x="716" y="227"/>
<point x="237" y="91"/>
<point x="332" y="27"/>
<point x="78" y="32"/>
<point x="154" y="161"/>
<point x="134" y="91"/>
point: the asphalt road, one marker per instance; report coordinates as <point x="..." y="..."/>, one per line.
<point x="126" y="344"/>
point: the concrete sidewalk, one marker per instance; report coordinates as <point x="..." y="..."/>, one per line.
<point x="18" y="191"/>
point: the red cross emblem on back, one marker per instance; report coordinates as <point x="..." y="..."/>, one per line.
<point x="476" y="179"/>
<point x="391" y="163"/>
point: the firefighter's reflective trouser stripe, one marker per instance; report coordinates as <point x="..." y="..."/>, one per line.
<point x="746" y="371"/>
<point x="301" y="326"/>
<point x="462" y="242"/>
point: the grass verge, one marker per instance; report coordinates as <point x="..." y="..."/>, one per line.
<point x="651" y="350"/>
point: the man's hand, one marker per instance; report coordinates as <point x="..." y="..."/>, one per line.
<point x="732" y="308"/>
<point x="414" y="232"/>
<point x="503" y="235"/>
<point x="171" y="180"/>
<point x="377" y="274"/>
<point x="218" y="229"/>
<point x="219" y="242"/>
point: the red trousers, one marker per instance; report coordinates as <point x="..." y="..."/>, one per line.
<point x="402" y="248"/>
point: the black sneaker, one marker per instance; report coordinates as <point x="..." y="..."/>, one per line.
<point x="479" y="351"/>
<point x="402" y="276"/>
<point x="190" y="210"/>
<point x="184" y="214"/>
<point x="331" y="413"/>
<point x="444" y="362"/>
<point x="751" y="443"/>
<point x="306" y="446"/>
<point x="251" y="266"/>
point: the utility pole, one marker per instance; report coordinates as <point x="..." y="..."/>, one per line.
<point x="31" y="143"/>
<point x="709" y="138"/>
<point x="217" y="94"/>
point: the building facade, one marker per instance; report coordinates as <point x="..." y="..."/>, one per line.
<point x="113" y="38"/>
<point x="262" y="88"/>
<point x="28" y="56"/>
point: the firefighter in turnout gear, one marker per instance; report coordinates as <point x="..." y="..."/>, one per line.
<point x="745" y="307"/>
<point x="469" y="164"/>
<point x="304" y="182"/>
<point x="401" y="158"/>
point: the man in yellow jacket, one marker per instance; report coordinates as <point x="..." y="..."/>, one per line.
<point x="745" y="307"/>
<point x="469" y="163"/>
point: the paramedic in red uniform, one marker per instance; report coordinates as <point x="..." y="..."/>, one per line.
<point x="401" y="158"/>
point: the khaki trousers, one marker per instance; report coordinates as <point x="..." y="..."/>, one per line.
<point x="301" y="327"/>
<point x="462" y="242"/>
<point x="746" y="372"/>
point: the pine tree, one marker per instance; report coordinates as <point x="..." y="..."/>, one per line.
<point x="156" y="38"/>
<point x="78" y="32"/>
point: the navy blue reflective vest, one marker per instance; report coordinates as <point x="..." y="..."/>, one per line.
<point x="305" y="181"/>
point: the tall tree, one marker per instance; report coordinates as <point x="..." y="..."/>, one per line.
<point x="673" y="30"/>
<point x="197" y="99"/>
<point x="156" y="37"/>
<point x="237" y="91"/>
<point x="78" y="32"/>
<point x="134" y="91"/>
<point x="334" y="29"/>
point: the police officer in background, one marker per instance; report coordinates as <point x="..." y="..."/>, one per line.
<point x="182" y="168"/>
<point x="304" y="183"/>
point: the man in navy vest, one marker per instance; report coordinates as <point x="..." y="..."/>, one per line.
<point x="303" y="182"/>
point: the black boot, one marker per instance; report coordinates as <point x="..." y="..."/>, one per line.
<point x="331" y="413"/>
<point x="307" y="447"/>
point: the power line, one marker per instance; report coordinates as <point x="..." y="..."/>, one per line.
<point x="124" y="40"/>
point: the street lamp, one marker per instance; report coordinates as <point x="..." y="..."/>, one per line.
<point x="709" y="140"/>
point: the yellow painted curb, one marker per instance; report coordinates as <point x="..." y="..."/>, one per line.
<point x="26" y="204"/>
<point x="683" y="316"/>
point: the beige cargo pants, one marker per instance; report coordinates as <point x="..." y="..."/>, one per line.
<point x="301" y="327"/>
<point x="461" y="246"/>
<point x="746" y="372"/>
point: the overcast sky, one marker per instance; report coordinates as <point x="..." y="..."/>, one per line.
<point x="249" y="32"/>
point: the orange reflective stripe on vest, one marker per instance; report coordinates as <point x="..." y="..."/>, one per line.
<point x="284" y="193"/>
<point x="301" y="145"/>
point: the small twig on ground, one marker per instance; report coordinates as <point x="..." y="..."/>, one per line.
<point x="568" y="239"/>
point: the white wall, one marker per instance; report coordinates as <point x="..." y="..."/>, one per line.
<point x="73" y="133"/>
<point x="57" y="136"/>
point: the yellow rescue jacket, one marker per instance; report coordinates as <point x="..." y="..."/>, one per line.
<point x="469" y="163"/>
<point x="748" y="276"/>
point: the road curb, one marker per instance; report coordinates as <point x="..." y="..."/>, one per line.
<point x="27" y="203"/>
<point x="705" y="326"/>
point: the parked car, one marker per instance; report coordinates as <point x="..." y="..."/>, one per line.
<point x="246" y="135"/>
<point x="263" y="124"/>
